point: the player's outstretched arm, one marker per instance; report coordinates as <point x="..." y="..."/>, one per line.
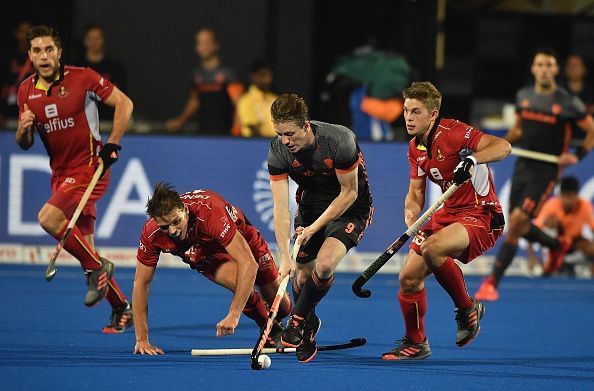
<point x="514" y="134"/>
<point x="282" y="224"/>
<point x="142" y="281"/>
<point x="247" y="268"/>
<point x="491" y="149"/>
<point x="121" y="118"/>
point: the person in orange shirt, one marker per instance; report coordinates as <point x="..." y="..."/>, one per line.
<point x="568" y="214"/>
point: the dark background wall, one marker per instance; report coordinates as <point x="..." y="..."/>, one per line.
<point x="488" y="47"/>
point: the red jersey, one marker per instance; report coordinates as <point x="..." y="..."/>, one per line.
<point x="449" y="142"/>
<point x="212" y="224"/>
<point x="66" y="115"/>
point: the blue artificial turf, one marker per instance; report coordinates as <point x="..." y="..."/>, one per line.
<point x="538" y="336"/>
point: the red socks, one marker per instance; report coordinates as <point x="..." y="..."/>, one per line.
<point x="114" y="295"/>
<point x="450" y="277"/>
<point x="413" y="307"/>
<point x="80" y="249"/>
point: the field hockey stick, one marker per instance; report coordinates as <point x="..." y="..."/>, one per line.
<point x="386" y="255"/>
<point x="280" y="294"/>
<point x="353" y="343"/>
<point x="51" y="267"/>
<point x="543" y="157"/>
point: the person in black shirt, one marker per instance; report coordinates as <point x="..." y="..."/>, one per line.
<point x="545" y="114"/>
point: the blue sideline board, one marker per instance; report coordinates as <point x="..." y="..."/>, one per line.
<point x="236" y="168"/>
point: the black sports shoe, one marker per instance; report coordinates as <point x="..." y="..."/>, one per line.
<point x="408" y="350"/>
<point x="293" y="332"/>
<point x="120" y="320"/>
<point x="274" y="337"/>
<point x="468" y="322"/>
<point x="308" y="349"/>
<point x="97" y="282"/>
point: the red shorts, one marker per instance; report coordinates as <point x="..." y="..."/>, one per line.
<point x="483" y="226"/>
<point x="267" y="270"/>
<point x="68" y="189"/>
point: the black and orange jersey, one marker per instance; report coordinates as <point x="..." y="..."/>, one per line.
<point x="547" y="119"/>
<point x="314" y="169"/>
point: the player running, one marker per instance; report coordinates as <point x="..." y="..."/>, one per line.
<point x="60" y="102"/>
<point x="334" y="208"/>
<point x="545" y="114"/>
<point x="445" y="151"/>
<point x="216" y="239"/>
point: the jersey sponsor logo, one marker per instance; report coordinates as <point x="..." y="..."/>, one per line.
<point x="54" y="122"/>
<point x="35" y="96"/>
<point x="101" y="81"/>
<point x="58" y="124"/>
<point x="70" y="180"/>
<point x="471" y="219"/>
<point x="329" y="163"/>
<point x="51" y="111"/>
<point x="295" y="163"/>
<point x="538" y="117"/>
<point x="421" y="158"/>
<point x="141" y="246"/>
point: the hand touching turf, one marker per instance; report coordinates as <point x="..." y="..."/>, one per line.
<point x="145" y="347"/>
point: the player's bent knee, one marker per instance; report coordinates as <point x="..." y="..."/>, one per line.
<point x="430" y="248"/>
<point x="324" y="270"/>
<point x="409" y="283"/>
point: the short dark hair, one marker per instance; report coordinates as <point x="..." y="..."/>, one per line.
<point x="569" y="184"/>
<point x="547" y="51"/>
<point x="425" y="92"/>
<point x="259" y="64"/>
<point x="92" y="26"/>
<point x="164" y="200"/>
<point x="289" y="108"/>
<point x="43" y="30"/>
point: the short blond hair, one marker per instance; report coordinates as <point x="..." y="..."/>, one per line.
<point x="425" y="92"/>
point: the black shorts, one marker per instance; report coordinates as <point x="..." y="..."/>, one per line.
<point x="532" y="183"/>
<point x="347" y="228"/>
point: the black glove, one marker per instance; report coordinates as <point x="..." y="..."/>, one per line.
<point x="463" y="170"/>
<point x="109" y="155"/>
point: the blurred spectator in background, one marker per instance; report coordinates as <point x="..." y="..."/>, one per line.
<point x="568" y="214"/>
<point x="96" y="58"/>
<point x="576" y="81"/>
<point x="378" y="79"/>
<point x="253" y="107"/>
<point x="214" y="93"/>
<point x="15" y="67"/>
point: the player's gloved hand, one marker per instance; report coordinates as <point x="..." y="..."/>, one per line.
<point x="463" y="170"/>
<point x="109" y="155"/>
